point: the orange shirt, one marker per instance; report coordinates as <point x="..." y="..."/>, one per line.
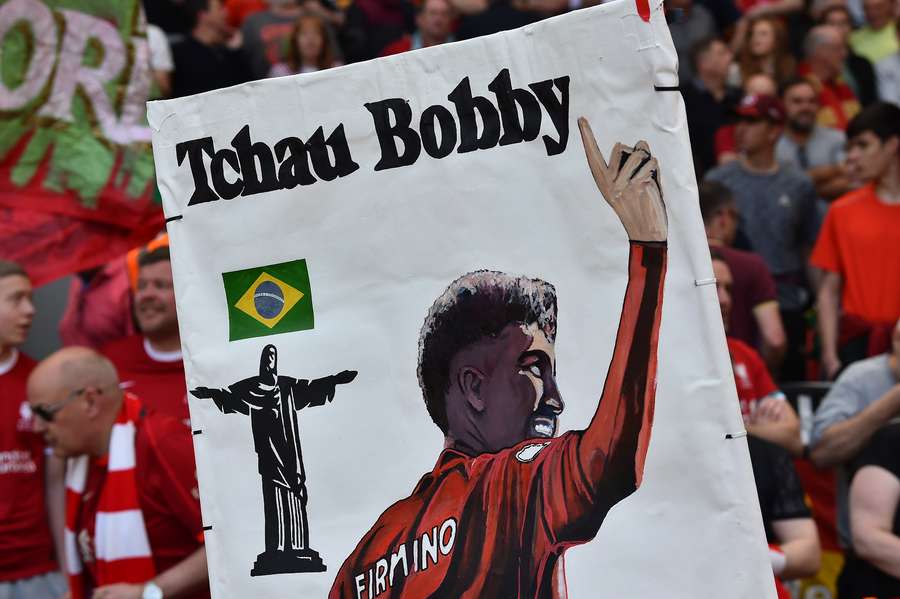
<point x="860" y="240"/>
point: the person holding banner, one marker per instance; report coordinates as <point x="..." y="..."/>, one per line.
<point x="506" y="497"/>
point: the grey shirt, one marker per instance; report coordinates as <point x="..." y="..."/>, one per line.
<point x="780" y="218"/>
<point x="825" y="146"/>
<point x="860" y="385"/>
<point x="888" y="71"/>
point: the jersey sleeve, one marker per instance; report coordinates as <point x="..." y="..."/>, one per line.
<point x="583" y="474"/>
<point x="173" y="454"/>
<point x="788" y="499"/>
<point x="826" y="254"/>
<point x="763" y="384"/>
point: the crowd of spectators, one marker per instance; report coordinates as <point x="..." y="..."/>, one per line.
<point x="792" y="112"/>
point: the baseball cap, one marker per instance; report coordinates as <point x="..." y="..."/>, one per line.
<point x="762" y="107"/>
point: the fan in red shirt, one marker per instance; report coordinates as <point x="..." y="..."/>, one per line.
<point x="133" y="525"/>
<point x="506" y="497"/>
<point x="27" y="561"/>
<point x="149" y="363"/>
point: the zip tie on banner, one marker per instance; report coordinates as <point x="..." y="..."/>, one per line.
<point x="198" y="432"/>
<point x="174" y="218"/>
<point x="729" y="436"/>
<point x="702" y="282"/>
<point x="207" y="528"/>
<point x="665" y="88"/>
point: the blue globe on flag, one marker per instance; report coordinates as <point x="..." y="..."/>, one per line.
<point x="268" y="299"/>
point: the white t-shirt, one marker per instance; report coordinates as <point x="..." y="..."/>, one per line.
<point x="160" y="53"/>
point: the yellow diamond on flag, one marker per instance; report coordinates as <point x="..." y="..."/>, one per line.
<point x="268" y="299"/>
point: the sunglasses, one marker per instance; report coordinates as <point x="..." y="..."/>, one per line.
<point x="48" y="412"/>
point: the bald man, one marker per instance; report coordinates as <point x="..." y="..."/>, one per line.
<point x="133" y="525"/>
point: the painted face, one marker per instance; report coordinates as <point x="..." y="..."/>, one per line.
<point x="521" y="398"/>
<point x="723" y="288"/>
<point x="762" y="39"/>
<point x="801" y="105"/>
<point x="16" y="310"/>
<point x="868" y="158"/>
<point x="154" y="300"/>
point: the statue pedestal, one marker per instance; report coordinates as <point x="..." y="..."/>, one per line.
<point x="287" y="562"/>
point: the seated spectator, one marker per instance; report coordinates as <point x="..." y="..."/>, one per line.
<point x="877" y="39"/>
<point x="753" y="318"/>
<point x="762" y="48"/>
<point x="872" y="569"/>
<point x="208" y="58"/>
<point x="99" y="306"/>
<point x="825" y="50"/>
<point x="311" y="49"/>
<point x="708" y="99"/>
<point x="765" y="409"/>
<point x="777" y="205"/>
<point x="858" y="71"/>
<point x="755" y="85"/>
<point x="149" y="363"/>
<point x="794" y="548"/>
<point x="865" y="397"/>
<point x="689" y="23"/>
<point x="434" y="26"/>
<point x="810" y="147"/>
<point x="156" y="547"/>
<point x="888" y="71"/>
<point x="28" y="564"/>
<point x="859" y="246"/>
<point x="265" y="35"/>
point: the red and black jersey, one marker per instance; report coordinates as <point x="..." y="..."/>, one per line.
<point x="496" y="525"/>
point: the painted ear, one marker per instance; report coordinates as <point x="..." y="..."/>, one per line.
<point x="469" y="380"/>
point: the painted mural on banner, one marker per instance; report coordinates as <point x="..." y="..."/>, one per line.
<point x="441" y="327"/>
<point x="76" y="168"/>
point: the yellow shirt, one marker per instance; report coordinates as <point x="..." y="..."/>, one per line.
<point x="875" y="44"/>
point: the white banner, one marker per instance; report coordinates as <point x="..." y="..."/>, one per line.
<point x="430" y="306"/>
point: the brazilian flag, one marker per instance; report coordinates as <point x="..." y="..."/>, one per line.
<point x="268" y="300"/>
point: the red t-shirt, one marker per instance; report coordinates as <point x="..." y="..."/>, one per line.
<point x="860" y="240"/>
<point x="27" y="548"/>
<point x="750" y="376"/>
<point x="752" y="285"/>
<point x="507" y="506"/>
<point x="167" y="494"/>
<point x="159" y="384"/>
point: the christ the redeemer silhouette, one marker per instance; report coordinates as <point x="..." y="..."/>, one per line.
<point x="272" y="402"/>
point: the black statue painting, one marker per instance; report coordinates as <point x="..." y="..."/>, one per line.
<point x="272" y="402"/>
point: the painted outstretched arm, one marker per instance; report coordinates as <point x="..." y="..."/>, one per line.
<point x="319" y="391"/>
<point x="224" y="399"/>
<point x="613" y="448"/>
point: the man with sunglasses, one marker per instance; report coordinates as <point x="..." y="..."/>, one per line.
<point x="27" y="565"/>
<point x="133" y="528"/>
<point x="778" y="213"/>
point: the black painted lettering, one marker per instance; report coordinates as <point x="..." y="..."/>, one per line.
<point x="294" y="163"/>
<point x="387" y="133"/>
<point x="194" y="150"/>
<point x="318" y="148"/>
<point x="434" y="118"/>
<point x="558" y="109"/>
<point x="509" y="100"/>
<point x="226" y="189"/>
<point x="255" y="181"/>
<point x="466" y="106"/>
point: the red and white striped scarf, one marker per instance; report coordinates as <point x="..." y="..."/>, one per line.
<point x="121" y="547"/>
